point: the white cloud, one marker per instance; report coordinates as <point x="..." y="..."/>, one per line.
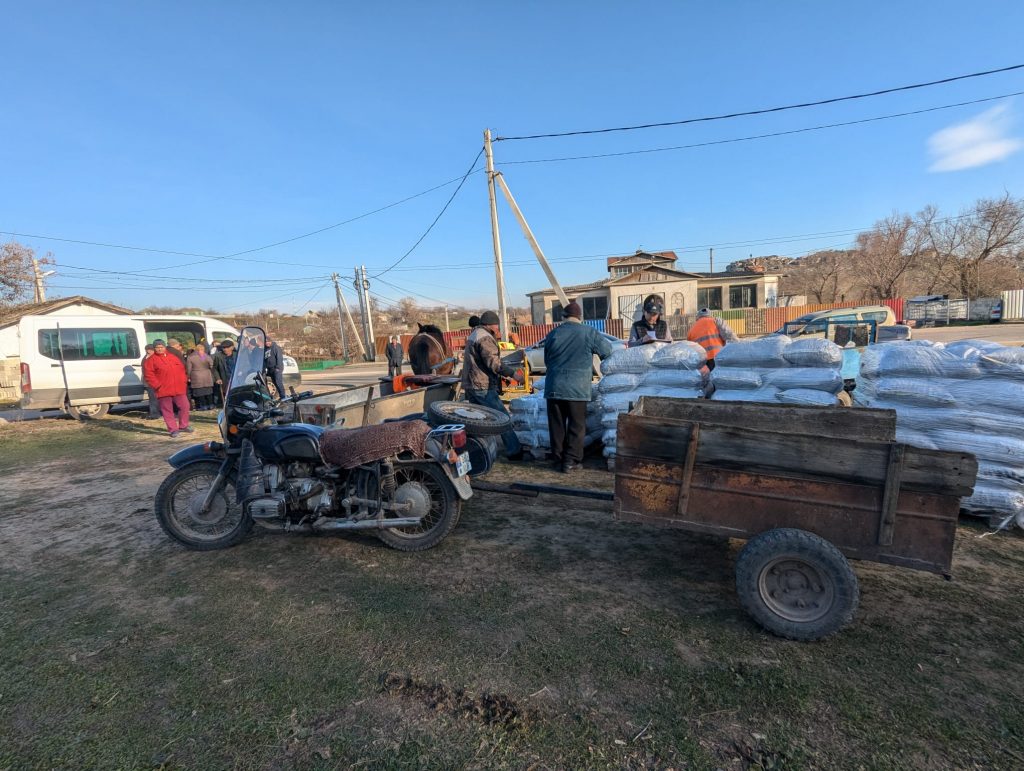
<point x="977" y="142"/>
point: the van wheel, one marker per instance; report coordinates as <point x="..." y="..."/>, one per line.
<point x="88" y="411"/>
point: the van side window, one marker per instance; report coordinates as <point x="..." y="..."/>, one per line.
<point x="879" y="316"/>
<point x="89" y="344"/>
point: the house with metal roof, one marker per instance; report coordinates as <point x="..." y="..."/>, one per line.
<point x="633" y="277"/>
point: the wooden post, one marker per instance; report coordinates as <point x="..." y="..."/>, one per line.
<point x="447" y="326"/>
<point x="499" y="271"/>
<point x="371" y="341"/>
<point x="533" y="241"/>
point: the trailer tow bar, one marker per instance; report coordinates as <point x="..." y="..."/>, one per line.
<point x="529" y="490"/>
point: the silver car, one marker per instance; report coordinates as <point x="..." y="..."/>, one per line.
<point x="535" y="354"/>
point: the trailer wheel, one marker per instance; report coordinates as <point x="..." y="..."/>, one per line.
<point x="88" y="411"/>
<point x="796" y="584"/>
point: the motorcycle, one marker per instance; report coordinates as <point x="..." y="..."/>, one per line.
<point x="275" y="475"/>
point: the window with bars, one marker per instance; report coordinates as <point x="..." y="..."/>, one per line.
<point x="743" y="296"/>
<point x="710" y="298"/>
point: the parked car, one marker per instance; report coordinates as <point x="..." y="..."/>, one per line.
<point x="815" y="324"/>
<point x="535" y="354"/>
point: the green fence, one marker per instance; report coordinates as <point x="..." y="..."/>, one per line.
<point x="323" y="363"/>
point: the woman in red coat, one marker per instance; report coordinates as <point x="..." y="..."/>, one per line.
<point x="166" y="375"/>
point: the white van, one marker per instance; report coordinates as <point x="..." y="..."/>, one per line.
<point x="84" y="364"/>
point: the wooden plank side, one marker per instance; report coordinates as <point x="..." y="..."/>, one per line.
<point x="740" y="505"/>
<point x="800" y="455"/>
<point x="829" y="422"/>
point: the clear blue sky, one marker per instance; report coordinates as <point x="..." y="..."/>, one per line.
<point x="213" y="128"/>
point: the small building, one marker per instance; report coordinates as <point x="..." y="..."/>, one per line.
<point x="632" y="277"/>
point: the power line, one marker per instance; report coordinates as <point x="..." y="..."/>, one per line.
<point x="765" y="110"/>
<point x="761" y="136"/>
<point x="465" y="176"/>
<point x="233" y="257"/>
<point x="415" y="294"/>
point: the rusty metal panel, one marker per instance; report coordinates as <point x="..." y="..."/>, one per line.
<point x="740" y="505"/>
<point x="795" y="454"/>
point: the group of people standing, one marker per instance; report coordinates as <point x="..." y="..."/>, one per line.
<point x="569" y="351"/>
<point x="178" y="382"/>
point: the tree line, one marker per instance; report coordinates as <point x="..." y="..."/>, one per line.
<point x="976" y="253"/>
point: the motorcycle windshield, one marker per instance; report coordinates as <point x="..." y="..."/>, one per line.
<point x="247" y="395"/>
<point x="249" y="363"/>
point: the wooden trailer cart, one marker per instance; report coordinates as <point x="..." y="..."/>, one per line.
<point x="807" y="487"/>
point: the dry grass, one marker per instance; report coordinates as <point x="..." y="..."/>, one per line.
<point x="539" y="635"/>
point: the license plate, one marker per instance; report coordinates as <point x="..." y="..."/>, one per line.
<point x="462" y="465"/>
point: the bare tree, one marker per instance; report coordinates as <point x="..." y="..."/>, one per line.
<point x="821" y="275"/>
<point x="976" y="253"/>
<point x="887" y="255"/>
<point x="16" y="271"/>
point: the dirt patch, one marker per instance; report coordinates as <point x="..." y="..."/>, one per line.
<point x="488" y="709"/>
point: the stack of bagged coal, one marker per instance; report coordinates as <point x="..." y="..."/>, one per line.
<point x="966" y="396"/>
<point x="778" y="369"/>
<point x="655" y="369"/>
<point x="530" y="421"/>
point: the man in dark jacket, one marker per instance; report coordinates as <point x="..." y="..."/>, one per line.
<point x="569" y="351"/>
<point x="273" y="357"/>
<point x="224" y="365"/>
<point x="395" y="355"/>
<point x="482" y="370"/>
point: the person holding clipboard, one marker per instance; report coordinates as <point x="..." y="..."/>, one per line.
<point x="651" y="327"/>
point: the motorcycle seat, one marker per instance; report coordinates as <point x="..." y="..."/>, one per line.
<point x="351" y="447"/>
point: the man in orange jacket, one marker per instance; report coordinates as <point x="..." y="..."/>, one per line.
<point x="166" y="375"/>
<point x="711" y="334"/>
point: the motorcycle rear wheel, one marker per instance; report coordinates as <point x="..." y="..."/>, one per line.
<point x="177" y="509"/>
<point x="424" y="482"/>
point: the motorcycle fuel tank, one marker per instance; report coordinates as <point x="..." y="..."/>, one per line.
<point x="293" y="441"/>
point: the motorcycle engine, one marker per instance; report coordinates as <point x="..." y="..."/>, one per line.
<point x="269" y="507"/>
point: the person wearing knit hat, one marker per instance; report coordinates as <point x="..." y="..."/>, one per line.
<point x="569" y="351"/>
<point x="482" y="370"/>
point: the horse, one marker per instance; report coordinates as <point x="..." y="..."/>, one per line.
<point x="429" y="354"/>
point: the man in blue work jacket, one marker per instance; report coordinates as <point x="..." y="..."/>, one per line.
<point x="569" y="351"/>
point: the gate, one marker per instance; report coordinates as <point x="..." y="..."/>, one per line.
<point x="629" y="308"/>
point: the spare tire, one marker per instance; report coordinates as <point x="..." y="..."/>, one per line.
<point x="478" y="420"/>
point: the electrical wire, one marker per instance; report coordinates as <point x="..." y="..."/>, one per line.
<point x="415" y="294"/>
<point x="465" y="176"/>
<point x="207" y="258"/>
<point x="766" y="110"/>
<point x="760" y="136"/>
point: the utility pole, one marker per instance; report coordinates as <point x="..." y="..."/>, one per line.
<point x="343" y="305"/>
<point x="341" y="318"/>
<point x="447" y="326"/>
<point x="532" y="240"/>
<point x="499" y="271"/>
<point x="711" y="260"/>
<point x="40" y="290"/>
<point x="362" y="286"/>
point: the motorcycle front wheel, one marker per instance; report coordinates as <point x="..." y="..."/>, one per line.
<point x="179" y="509"/>
<point x="432" y="497"/>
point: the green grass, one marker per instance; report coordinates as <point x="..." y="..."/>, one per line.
<point x="538" y="634"/>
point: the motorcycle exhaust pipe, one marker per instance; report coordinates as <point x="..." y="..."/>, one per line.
<point x="328" y="525"/>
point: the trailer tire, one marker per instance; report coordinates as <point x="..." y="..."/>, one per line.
<point x="478" y="420"/>
<point x="88" y="411"/>
<point x="796" y="584"/>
